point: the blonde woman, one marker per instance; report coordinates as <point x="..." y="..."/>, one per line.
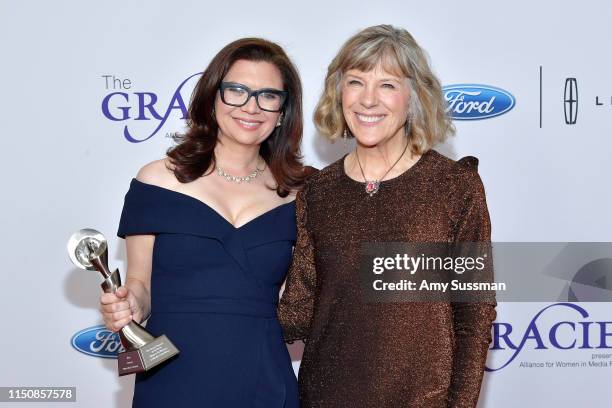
<point x="393" y="187"/>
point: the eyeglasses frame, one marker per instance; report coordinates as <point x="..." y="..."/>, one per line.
<point x="250" y="93"/>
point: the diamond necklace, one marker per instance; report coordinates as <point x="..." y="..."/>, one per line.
<point x="372" y="186"/>
<point x="239" y="179"/>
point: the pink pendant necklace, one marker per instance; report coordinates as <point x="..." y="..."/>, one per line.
<point x="372" y="186"/>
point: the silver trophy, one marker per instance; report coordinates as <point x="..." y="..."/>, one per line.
<point x="88" y="250"/>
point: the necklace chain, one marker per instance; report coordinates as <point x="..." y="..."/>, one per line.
<point x="372" y="186"/>
<point x="239" y="179"/>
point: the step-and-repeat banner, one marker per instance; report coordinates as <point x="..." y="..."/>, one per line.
<point x="92" y="92"/>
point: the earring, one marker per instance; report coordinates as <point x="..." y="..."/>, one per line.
<point x="407" y="126"/>
<point x="345" y="137"/>
<point x="280" y="120"/>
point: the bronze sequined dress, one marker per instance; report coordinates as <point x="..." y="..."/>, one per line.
<point x="377" y="355"/>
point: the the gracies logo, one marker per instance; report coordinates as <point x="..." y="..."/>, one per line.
<point x="138" y="107"/>
<point x="97" y="341"/>
<point x="566" y="334"/>
<point x="473" y="101"/>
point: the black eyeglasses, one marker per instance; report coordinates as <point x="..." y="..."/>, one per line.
<point x="268" y="99"/>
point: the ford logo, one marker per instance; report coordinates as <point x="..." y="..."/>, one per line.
<point x="97" y="341"/>
<point x="473" y="102"/>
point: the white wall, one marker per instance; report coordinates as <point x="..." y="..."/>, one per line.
<point x="65" y="166"/>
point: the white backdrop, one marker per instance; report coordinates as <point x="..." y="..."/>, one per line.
<point x="66" y="166"/>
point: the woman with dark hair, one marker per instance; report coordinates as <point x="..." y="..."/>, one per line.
<point x="393" y="187"/>
<point x="209" y="232"/>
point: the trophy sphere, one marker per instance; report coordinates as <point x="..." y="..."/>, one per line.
<point x="84" y="245"/>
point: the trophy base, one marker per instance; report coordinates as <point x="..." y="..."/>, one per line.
<point x="146" y="357"/>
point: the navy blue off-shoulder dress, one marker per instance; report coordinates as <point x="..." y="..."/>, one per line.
<point x="214" y="293"/>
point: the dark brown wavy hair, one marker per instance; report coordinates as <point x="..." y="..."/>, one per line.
<point x="194" y="153"/>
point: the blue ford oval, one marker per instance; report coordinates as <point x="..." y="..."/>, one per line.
<point x="474" y="102"/>
<point x="97" y="341"/>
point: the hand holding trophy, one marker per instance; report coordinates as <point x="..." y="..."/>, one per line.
<point x="88" y="250"/>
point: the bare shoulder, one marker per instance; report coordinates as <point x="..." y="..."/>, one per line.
<point x="158" y="173"/>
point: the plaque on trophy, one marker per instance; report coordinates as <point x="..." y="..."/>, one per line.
<point x="88" y="250"/>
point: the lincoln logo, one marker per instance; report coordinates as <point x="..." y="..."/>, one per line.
<point x="570" y="101"/>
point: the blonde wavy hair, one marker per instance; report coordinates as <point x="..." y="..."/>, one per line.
<point x="428" y="122"/>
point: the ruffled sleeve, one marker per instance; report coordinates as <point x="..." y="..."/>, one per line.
<point x="472" y="320"/>
<point x="296" y="306"/>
